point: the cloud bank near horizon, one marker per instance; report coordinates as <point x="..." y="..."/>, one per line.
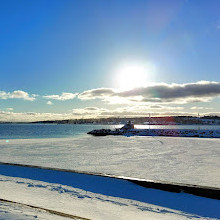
<point x="95" y="112"/>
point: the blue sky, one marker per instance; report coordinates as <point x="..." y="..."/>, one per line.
<point x="76" y="47"/>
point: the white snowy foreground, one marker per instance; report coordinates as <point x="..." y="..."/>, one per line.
<point x="12" y="211"/>
<point x="172" y="159"/>
<point x="92" y="197"/>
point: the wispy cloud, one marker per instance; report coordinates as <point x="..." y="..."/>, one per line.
<point x="31" y="116"/>
<point x="202" y="91"/>
<point x="49" y="103"/>
<point x="17" y="94"/>
<point x="132" y="111"/>
<point x="218" y="25"/>
<point x="89" y="111"/>
<point x="200" y="108"/>
<point x="63" y="97"/>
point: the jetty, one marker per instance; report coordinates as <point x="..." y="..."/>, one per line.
<point x="129" y="130"/>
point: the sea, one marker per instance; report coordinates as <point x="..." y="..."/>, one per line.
<point x="32" y="131"/>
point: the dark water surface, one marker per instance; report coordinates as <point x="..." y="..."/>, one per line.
<point x="30" y="131"/>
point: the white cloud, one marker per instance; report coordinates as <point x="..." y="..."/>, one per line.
<point x="17" y="94"/>
<point x="49" y="103"/>
<point x="200" y="108"/>
<point x="63" y="97"/>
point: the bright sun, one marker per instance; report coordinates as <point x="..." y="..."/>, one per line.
<point x="130" y="76"/>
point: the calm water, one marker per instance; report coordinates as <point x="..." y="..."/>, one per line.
<point x="29" y="131"/>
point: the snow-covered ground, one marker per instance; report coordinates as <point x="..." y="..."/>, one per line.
<point x="10" y="211"/>
<point x="94" y="197"/>
<point x="173" y="159"/>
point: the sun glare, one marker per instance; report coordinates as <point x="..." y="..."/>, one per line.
<point x="130" y="76"/>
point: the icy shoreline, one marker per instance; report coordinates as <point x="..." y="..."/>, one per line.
<point x="158" y="132"/>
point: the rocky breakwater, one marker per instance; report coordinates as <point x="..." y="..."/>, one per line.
<point x="104" y="132"/>
<point x="158" y="132"/>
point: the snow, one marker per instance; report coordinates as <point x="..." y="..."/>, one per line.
<point x="172" y="159"/>
<point x="81" y="200"/>
<point x="9" y="211"/>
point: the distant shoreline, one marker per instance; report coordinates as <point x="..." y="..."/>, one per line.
<point x="170" y="120"/>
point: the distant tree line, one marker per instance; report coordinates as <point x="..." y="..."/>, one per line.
<point x="141" y="120"/>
